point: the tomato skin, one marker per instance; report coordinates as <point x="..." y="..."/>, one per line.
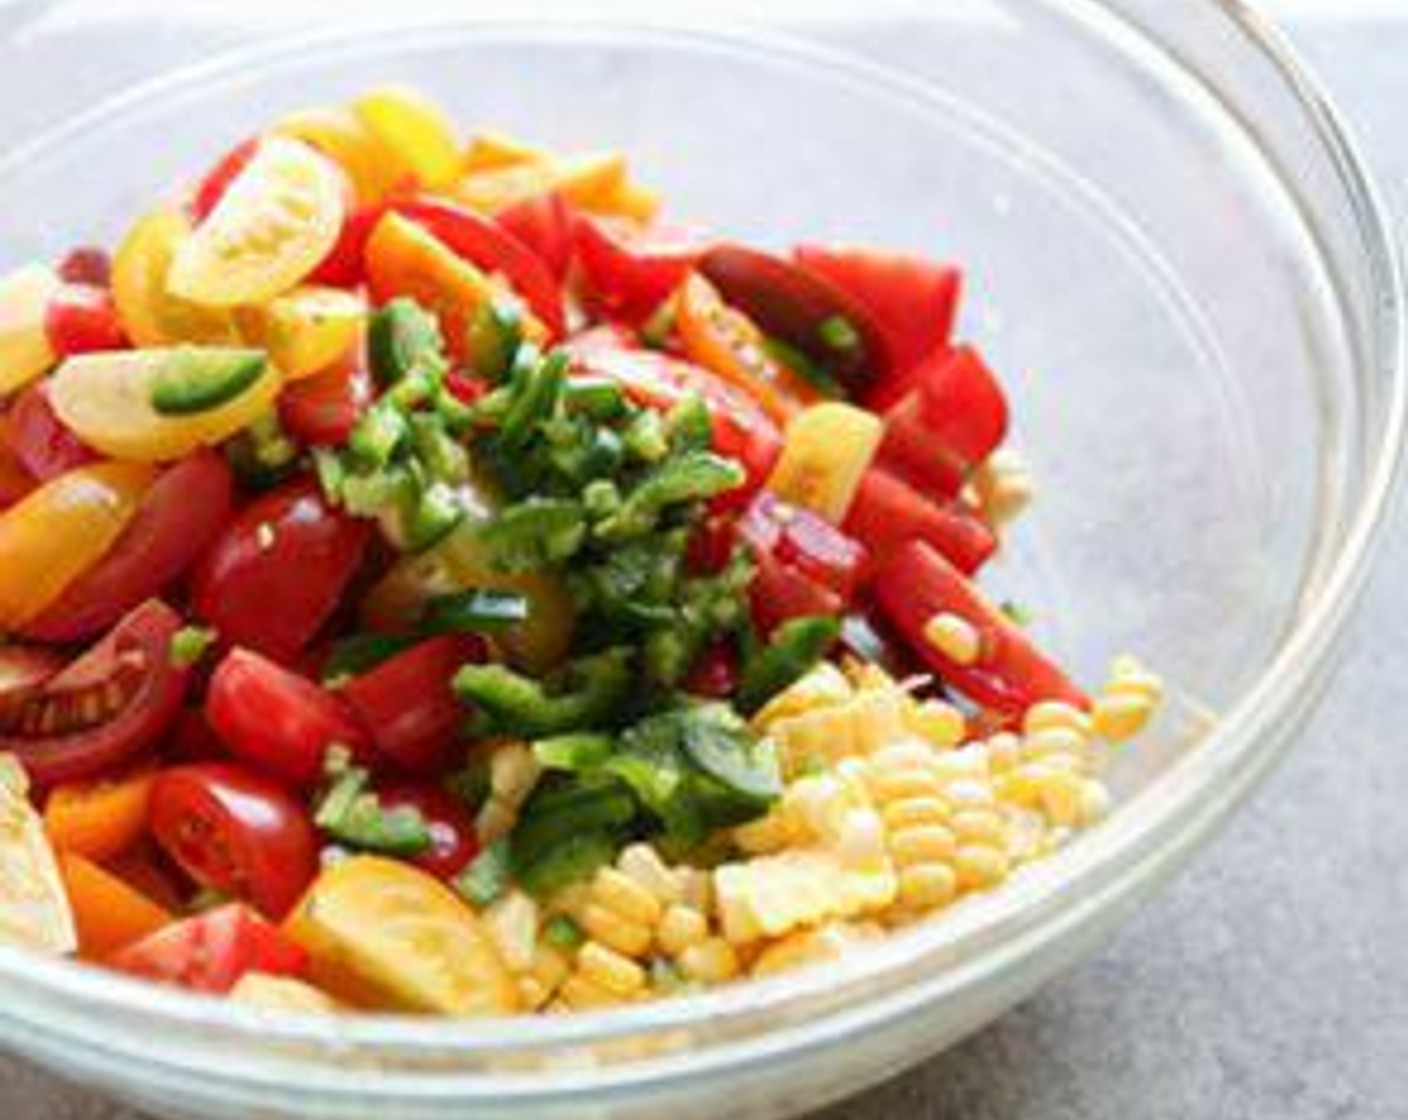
<point x="454" y="842"/>
<point x="953" y="418"/>
<point x="630" y="271"/>
<point x="211" y="189"/>
<point x="714" y="674"/>
<point x="41" y="441"/>
<point x="136" y="654"/>
<point x="408" y="705"/>
<point x="1010" y="674"/>
<point x="86" y="264"/>
<point x="178" y="518"/>
<point x="344" y="266"/>
<point x="804" y="564"/>
<point x="544" y="223"/>
<point x="322" y="410"/>
<point x="82" y="318"/>
<point x="887" y="513"/>
<point x="210" y="952"/>
<point x="277" y="571"/>
<point x="235" y="831"/>
<point x="278" y="721"/>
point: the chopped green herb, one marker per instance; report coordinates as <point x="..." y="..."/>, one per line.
<point x="585" y="694"/>
<point x="576" y="753"/>
<point x="796" y="646"/>
<point x="403" y="339"/>
<point x="839" y="333"/>
<point x="561" y="932"/>
<point x="351" y="814"/>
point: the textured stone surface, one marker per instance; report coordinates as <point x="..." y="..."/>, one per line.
<point x="1272" y="981"/>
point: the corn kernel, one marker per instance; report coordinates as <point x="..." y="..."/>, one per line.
<point x="642" y="863"/>
<point x="916" y="812"/>
<point x="1056" y="714"/>
<point x="625" y="897"/>
<point x="1120" y="717"/>
<point x="980" y="826"/>
<point x="923" y="845"/>
<point x="581" y="994"/>
<point x="941" y="724"/>
<point x="681" y="927"/>
<point x="928" y="886"/>
<point x="608" y="969"/>
<point x="627" y="937"/>
<point x="980" y="866"/>
<point x="954" y="637"/>
<point x="711" y="962"/>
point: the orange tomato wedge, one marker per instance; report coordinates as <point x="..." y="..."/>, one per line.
<point x="108" y="913"/>
<point x="99" y="818"/>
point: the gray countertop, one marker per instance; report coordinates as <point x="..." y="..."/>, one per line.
<point x="1272" y="981"/>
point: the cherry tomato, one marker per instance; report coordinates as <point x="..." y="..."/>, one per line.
<point x="715" y="673"/>
<point x="114" y="701"/>
<point x="953" y="419"/>
<point x="211" y="951"/>
<point x="279" y="721"/>
<point x="409" y="706"/>
<point x="176" y="520"/>
<point x="235" y="831"/>
<point x="544" y="224"/>
<point x="345" y="264"/>
<point x="278" y="570"/>
<point x="15" y="479"/>
<point x="1008" y="675"/>
<point x="210" y="190"/>
<point x="887" y="512"/>
<point x="913" y="301"/>
<point x="42" y="443"/>
<point x="322" y="410"/>
<point x="453" y="841"/>
<point x="87" y="264"/>
<point x="81" y="318"/>
<point x="630" y="271"/>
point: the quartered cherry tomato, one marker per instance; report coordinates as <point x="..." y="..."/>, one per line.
<point x="629" y="270"/>
<point x="306" y="330"/>
<point x="113" y="702"/>
<point x="544" y="223"/>
<point x="40" y="440"/>
<point x="278" y="570"/>
<point x="453" y="841"/>
<point x="211" y="952"/>
<point x="279" y="721"/>
<point x="887" y="512"/>
<point x="81" y="318"/>
<point x="322" y="410"/>
<point x="237" y="832"/>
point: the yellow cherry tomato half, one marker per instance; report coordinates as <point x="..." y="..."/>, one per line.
<point x="418" y="137"/>
<point x="34" y="909"/>
<point x="25" y="352"/>
<point x="306" y="330"/>
<point x="382" y="934"/>
<point x="58" y="532"/>
<point x="107" y="400"/>
<point x="275" y="223"/>
<point x="150" y="314"/>
<point x="491" y="150"/>
<point x="588" y="181"/>
<point x="344" y="139"/>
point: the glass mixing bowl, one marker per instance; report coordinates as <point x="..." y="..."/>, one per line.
<point x="1175" y="258"/>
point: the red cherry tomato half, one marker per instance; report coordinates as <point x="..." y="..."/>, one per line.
<point x="453" y="841"/>
<point x="543" y="223"/>
<point x="278" y="721"/>
<point x="178" y="518"/>
<point x="630" y="271"/>
<point x="40" y="440"/>
<point x="87" y="264"/>
<point x="113" y="702"/>
<point x="23" y="671"/>
<point x="82" y="318"/>
<point x="210" y="190"/>
<point x="235" y="831"/>
<point x="887" y="512"/>
<point x="488" y="247"/>
<point x="408" y="705"/>
<point x="322" y="410"/>
<point x="344" y="266"/>
<point x="210" y="952"/>
<point x="276" y="573"/>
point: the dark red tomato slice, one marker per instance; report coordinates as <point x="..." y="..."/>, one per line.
<point x="193" y="739"/>
<point x="914" y="302"/>
<point x="344" y="266"/>
<point x="40" y="440"/>
<point x="178" y="518"/>
<point x="453" y="841"/>
<point x="210" y="190"/>
<point x="23" y="671"/>
<point x="87" y="264"/>
<point x="1009" y="674"/>
<point x="711" y="545"/>
<point x="804" y="564"/>
<point x="278" y="570"/>
<point x="803" y="309"/>
<point x="322" y="410"/>
<point x="887" y="513"/>
<point x="211" y="951"/>
<point x="488" y="247"/>
<point x="82" y="318"/>
<point x="115" y="701"/>
<point x="543" y="223"/>
<point x="629" y="270"/>
<point x="235" y="831"/>
<point x="408" y="705"/>
<point x="953" y="418"/>
<point x="779" y="593"/>
<point x="715" y="673"/>
<point x="278" y="721"/>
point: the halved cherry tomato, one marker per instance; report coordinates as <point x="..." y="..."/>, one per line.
<point x="176" y="521"/>
<point x="887" y="512"/>
<point x="345" y="264"/>
<point x="108" y="912"/>
<point x="25" y="352"/>
<point x="453" y="841"/>
<point x="322" y="410"/>
<point x="86" y="264"/>
<point x="408" y="705"/>
<point x="1008" y="675"/>
<point x="805" y="565"/>
<point x="280" y="722"/>
<point x="493" y="251"/>
<point x="60" y="531"/>
<point x="629" y="270"/>
<point x="99" y="818"/>
<point x="715" y="673"/>
<point x="15" y="479"/>
<point x="211" y="951"/>
<point x="40" y="440"/>
<point x="278" y="570"/>
<point x="235" y="831"/>
<point x="339" y="135"/>
<point x="23" y="669"/>
<point x="414" y="134"/>
<point x="306" y="330"/>
<point x="150" y="314"/>
<point x="953" y="419"/>
<point x="544" y="224"/>
<point x="211" y="189"/>
<point x="726" y="342"/>
<point x="913" y="300"/>
<point x="116" y="700"/>
<point x="81" y="318"/>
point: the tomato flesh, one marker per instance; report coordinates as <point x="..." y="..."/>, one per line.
<point x="210" y="952"/>
<point x="544" y="224"/>
<point x="211" y="189"/>
<point x="804" y="564"/>
<point x="887" y="513"/>
<point x="40" y="440"/>
<point x="453" y="841"/>
<point x="322" y="410"/>
<point x="82" y="318"/>
<point x="629" y="271"/>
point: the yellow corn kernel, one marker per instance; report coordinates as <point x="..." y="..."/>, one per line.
<point x="813" y="946"/>
<point x="915" y="812"/>
<point x="642" y="863"/>
<point x="606" y="968"/>
<point x="928" y="886"/>
<point x="1119" y="718"/>
<point x="770" y="833"/>
<point x="680" y="927"/>
<point x="824" y="686"/>
<point x="878" y="718"/>
<point x="1003" y="487"/>
<point x="980" y="826"/>
<point x="1004" y="751"/>
<point x="980" y="866"/>
<point x="629" y="938"/>
<point x="1057" y="714"/>
<point x="861" y="838"/>
<point x="710" y="962"/>
<point x="581" y="994"/>
<point x="940" y="724"/>
<point x="512" y="924"/>
<point x="923" y="844"/>
<point x="626" y="898"/>
<point x="954" y="637"/>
